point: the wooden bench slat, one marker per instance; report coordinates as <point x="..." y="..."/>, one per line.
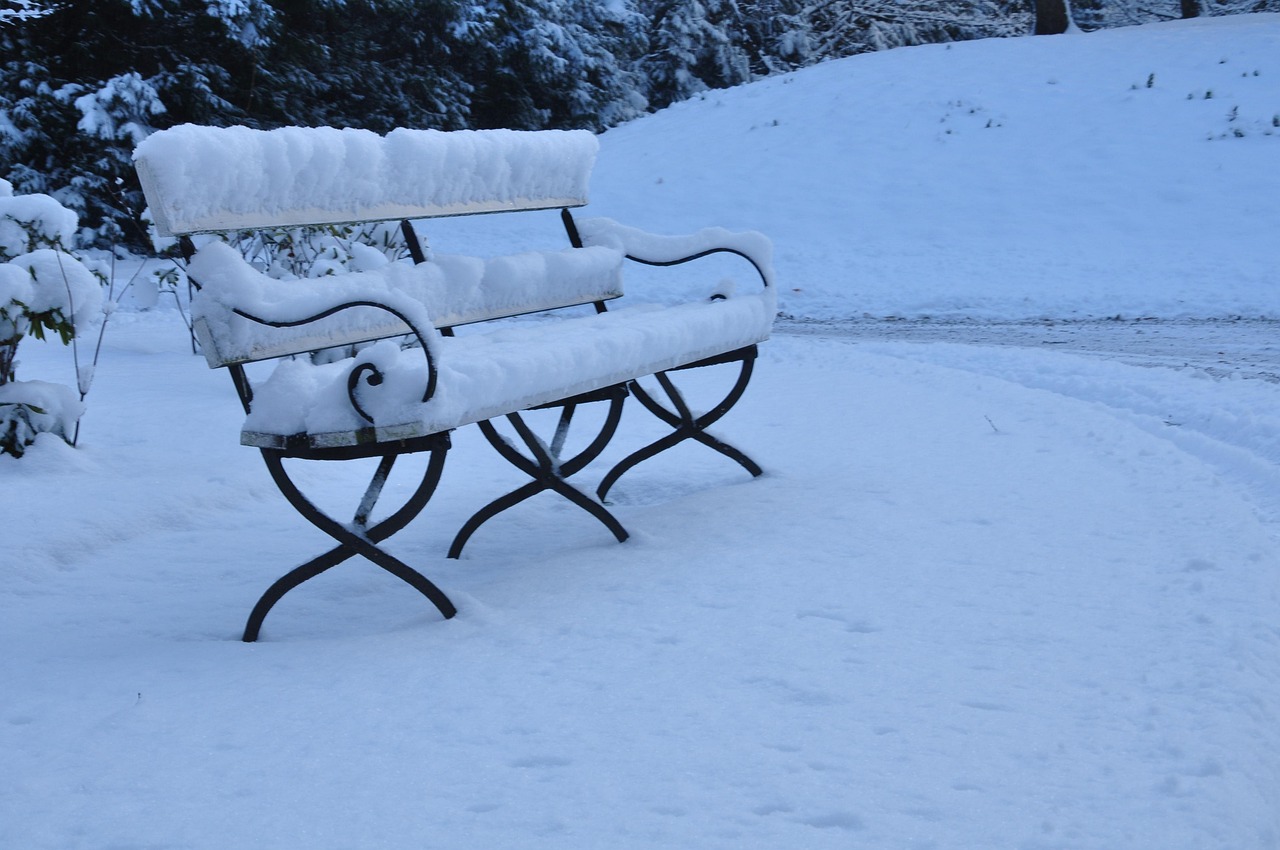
<point x="214" y="179"/>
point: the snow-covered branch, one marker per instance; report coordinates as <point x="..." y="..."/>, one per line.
<point x="23" y="10"/>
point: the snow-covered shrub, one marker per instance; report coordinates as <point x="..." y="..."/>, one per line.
<point x="310" y="252"/>
<point x="16" y="11"/>
<point x="44" y="289"/>
<point x="30" y="408"/>
<point x="120" y="110"/>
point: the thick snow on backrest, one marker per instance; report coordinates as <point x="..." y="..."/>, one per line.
<point x="202" y="179"/>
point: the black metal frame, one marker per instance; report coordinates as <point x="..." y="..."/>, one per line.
<point x="684" y="423"/>
<point x="544" y="464"/>
<point x="356" y="537"/>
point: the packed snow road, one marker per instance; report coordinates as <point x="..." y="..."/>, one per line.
<point x="1240" y="348"/>
<point x="1209" y="386"/>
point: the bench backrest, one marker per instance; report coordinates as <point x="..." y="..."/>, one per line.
<point x="213" y="179"/>
<point x="450" y="290"/>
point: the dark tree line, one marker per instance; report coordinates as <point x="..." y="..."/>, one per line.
<point x="1056" y="16"/>
<point x="82" y="81"/>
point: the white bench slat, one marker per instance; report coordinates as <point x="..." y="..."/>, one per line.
<point x="209" y="179"/>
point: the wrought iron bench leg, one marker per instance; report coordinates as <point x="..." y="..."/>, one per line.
<point x="355" y="539"/>
<point x="685" y="425"/>
<point x="545" y="466"/>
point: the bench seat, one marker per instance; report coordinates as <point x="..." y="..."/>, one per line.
<point x="488" y="374"/>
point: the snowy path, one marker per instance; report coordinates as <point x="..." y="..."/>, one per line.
<point x="1208" y="386"/>
<point x="1239" y="348"/>
<point x="961" y="610"/>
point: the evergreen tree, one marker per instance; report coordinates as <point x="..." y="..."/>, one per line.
<point x="14" y="11"/>
<point x="82" y="82"/>
<point x="1102" y="14"/>
<point x="845" y="27"/>
<point x="695" y="45"/>
<point x="375" y="64"/>
<point x="776" y="36"/>
<point x="554" y="63"/>
<point x="81" y="85"/>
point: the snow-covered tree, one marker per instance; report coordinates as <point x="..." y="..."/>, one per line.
<point x="14" y="11"/>
<point x="695" y="45"/>
<point x="554" y="63"/>
<point x="844" y="27"/>
<point x="82" y="82"/>
<point x="374" y="64"/>
<point x="1101" y="14"/>
<point x="81" y="85"/>
<point x="776" y="36"/>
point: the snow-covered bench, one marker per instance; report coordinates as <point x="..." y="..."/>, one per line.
<point x="412" y="380"/>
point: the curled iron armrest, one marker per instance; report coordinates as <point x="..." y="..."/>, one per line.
<point x="231" y="289"/>
<point x="658" y="250"/>
<point x="370" y="372"/>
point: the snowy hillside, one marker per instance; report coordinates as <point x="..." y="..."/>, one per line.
<point x="1130" y="172"/>
<point x="985" y="596"/>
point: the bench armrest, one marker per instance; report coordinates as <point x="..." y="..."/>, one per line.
<point x="659" y="250"/>
<point x="231" y="289"/>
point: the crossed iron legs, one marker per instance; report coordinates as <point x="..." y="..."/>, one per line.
<point x="543" y="464"/>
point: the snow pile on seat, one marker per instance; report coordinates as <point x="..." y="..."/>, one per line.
<point x="483" y="375"/>
<point x="202" y="179"/>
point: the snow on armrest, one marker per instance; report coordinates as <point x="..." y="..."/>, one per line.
<point x="242" y="315"/>
<point x="657" y="249"/>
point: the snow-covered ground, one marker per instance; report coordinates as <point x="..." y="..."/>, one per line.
<point x="1012" y="579"/>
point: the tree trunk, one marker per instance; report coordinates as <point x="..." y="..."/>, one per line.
<point x="1052" y="17"/>
<point x="1190" y="8"/>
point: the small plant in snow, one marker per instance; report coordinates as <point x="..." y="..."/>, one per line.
<point x="44" y="289"/>
<point x="311" y="252"/>
<point x="323" y="250"/>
